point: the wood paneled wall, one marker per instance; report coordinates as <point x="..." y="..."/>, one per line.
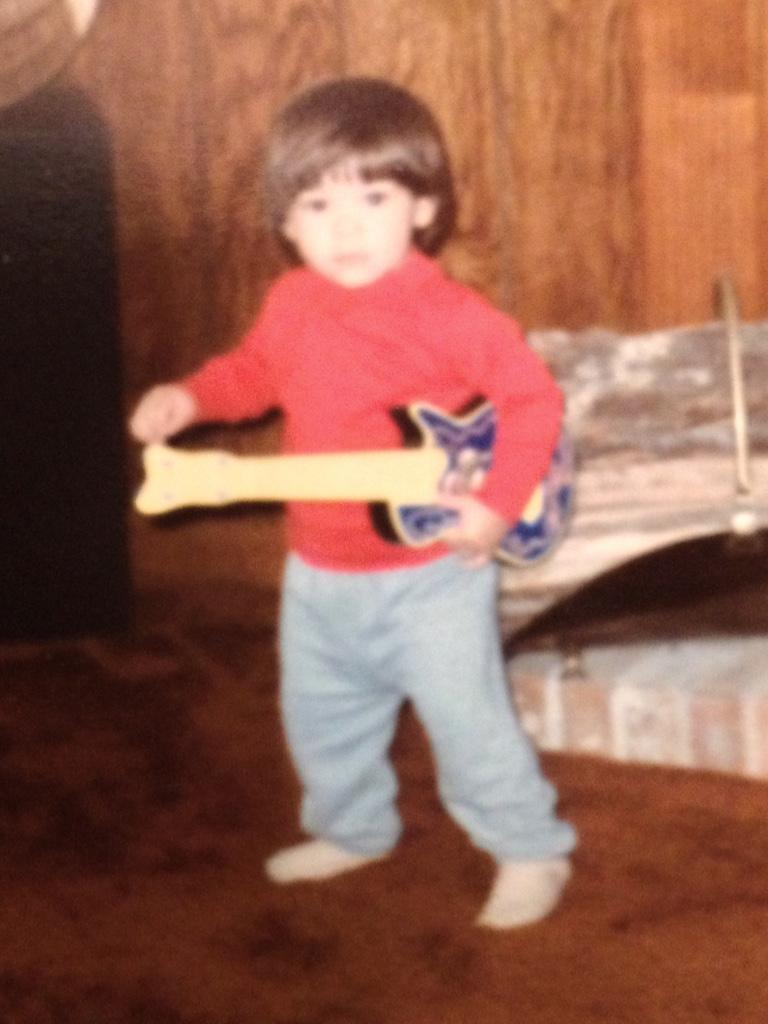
<point x="703" y="154"/>
<point x="609" y="153"/>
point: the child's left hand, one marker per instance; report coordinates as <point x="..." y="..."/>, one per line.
<point x="478" y="532"/>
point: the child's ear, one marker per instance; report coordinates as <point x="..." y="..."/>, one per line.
<point x="424" y="211"/>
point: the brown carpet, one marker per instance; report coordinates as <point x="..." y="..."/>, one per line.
<point x="144" y="780"/>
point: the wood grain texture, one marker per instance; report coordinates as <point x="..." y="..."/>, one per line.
<point x="757" y="302"/>
<point x="701" y="142"/>
<point x="572" y="222"/>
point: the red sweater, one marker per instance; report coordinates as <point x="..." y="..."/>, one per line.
<point x="337" y="360"/>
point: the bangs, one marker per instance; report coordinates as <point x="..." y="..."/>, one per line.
<point x="418" y="168"/>
<point x="302" y="165"/>
<point x="375" y="129"/>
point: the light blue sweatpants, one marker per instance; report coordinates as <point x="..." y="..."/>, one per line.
<point x="354" y="647"/>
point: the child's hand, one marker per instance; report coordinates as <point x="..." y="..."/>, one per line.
<point x="163" y="411"/>
<point x="478" y="532"/>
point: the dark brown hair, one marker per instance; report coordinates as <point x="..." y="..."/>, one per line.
<point x="385" y="130"/>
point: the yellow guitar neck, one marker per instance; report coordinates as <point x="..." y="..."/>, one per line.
<point x="176" y="478"/>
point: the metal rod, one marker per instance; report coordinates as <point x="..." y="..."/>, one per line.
<point x="729" y="307"/>
<point x="744" y="519"/>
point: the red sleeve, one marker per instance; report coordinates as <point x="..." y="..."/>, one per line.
<point x="493" y="357"/>
<point x="240" y="384"/>
<point x="233" y="386"/>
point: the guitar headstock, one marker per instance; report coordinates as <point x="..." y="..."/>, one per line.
<point x="175" y="479"/>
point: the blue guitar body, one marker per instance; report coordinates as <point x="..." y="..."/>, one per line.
<point x="468" y="441"/>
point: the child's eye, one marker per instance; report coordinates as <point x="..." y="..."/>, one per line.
<point x="376" y="197"/>
<point x="315" y="204"/>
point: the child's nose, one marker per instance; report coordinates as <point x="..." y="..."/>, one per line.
<point x="346" y="224"/>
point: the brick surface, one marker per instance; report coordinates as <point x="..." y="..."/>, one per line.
<point x="651" y="725"/>
<point x="756" y="733"/>
<point x="587" y="725"/>
<point x="699" y="704"/>
<point x="717" y="731"/>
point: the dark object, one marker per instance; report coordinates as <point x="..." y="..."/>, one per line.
<point x="707" y="586"/>
<point x="63" y="541"/>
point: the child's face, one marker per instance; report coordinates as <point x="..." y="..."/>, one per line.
<point x="354" y="231"/>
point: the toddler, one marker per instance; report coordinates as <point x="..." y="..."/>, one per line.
<point x="359" y="189"/>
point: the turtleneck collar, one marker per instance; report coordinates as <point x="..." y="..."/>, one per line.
<point x="415" y="269"/>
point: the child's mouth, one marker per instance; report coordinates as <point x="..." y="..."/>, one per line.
<point x="350" y="259"/>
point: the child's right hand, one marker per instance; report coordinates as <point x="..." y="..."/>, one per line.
<point x="163" y="411"/>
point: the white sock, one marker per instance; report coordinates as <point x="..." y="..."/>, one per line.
<point x="313" y="861"/>
<point x="524" y="892"/>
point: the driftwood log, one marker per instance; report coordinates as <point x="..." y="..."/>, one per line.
<point x="671" y="432"/>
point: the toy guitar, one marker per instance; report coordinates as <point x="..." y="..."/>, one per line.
<point x="454" y="454"/>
